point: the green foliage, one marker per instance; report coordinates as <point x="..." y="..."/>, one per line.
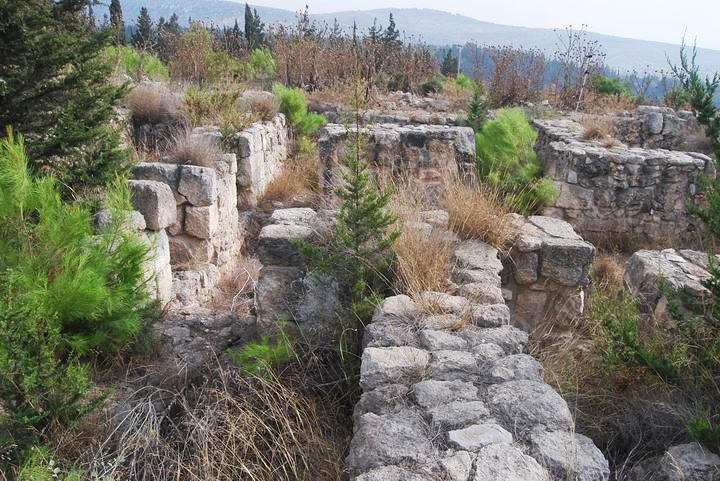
<point x="506" y="158"/>
<point x="294" y="106"/>
<point x="137" y="63"/>
<point x="263" y="357"/>
<point x="195" y="60"/>
<point x="704" y="431"/>
<point x="56" y="91"/>
<point x="207" y="104"/>
<point x="611" y="86"/>
<point x="477" y="109"/>
<point x="449" y="64"/>
<point x="65" y="292"/>
<point x="432" y="86"/>
<point x="39" y="465"/>
<point x="261" y="64"/>
<point x="144" y="36"/>
<point x="464" y="82"/>
<point x="254" y="28"/>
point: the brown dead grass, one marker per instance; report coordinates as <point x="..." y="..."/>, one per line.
<point x="608" y="272"/>
<point x="230" y="427"/>
<point x="597" y="128"/>
<point x="260" y="104"/>
<point x="194" y="149"/>
<point x="153" y="104"/>
<point x="606" y="104"/>
<point x="478" y="211"/>
<point x="299" y="180"/>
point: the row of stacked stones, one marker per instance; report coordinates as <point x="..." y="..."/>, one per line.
<point x="620" y="190"/>
<point x="449" y="392"/>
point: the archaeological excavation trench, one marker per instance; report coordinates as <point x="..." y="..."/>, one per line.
<point x="448" y="389"/>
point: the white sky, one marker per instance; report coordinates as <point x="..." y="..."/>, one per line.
<point x="661" y="20"/>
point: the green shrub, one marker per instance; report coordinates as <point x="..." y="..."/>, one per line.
<point x="39" y="465"/>
<point x="210" y="104"/>
<point x="464" y="82"/>
<point x="611" y="86"/>
<point x="506" y="158"/>
<point x="432" y="86"/>
<point x="263" y="357"/>
<point x="261" y="64"/>
<point x="137" y="63"/>
<point x="294" y="105"/>
<point x="195" y="59"/>
<point x="477" y="109"/>
<point x="65" y="292"/>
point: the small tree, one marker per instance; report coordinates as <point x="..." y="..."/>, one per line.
<point x="450" y="64"/>
<point x="391" y="37"/>
<point x="254" y="28"/>
<point x="478" y="108"/>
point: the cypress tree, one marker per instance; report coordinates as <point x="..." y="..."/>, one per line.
<point x="254" y="28"/>
<point x="54" y="91"/>
<point x="117" y="22"/>
<point x="450" y="64"/>
<point x="391" y="37"/>
<point x="144" y="37"/>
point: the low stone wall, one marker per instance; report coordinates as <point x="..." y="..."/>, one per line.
<point x="417" y="117"/>
<point x="198" y="206"/>
<point x="546" y="273"/>
<point x="420" y="152"/>
<point x="261" y="151"/>
<point x="620" y="190"/>
<point x="450" y="393"/>
<point x="652" y="127"/>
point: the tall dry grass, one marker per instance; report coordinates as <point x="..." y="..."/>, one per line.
<point x="299" y="179"/>
<point x="190" y="149"/>
<point x="151" y="103"/>
<point x="424" y="257"/>
<point x="478" y="211"/>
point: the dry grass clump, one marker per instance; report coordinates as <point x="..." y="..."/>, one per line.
<point x="606" y="104"/>
<point x="231" y="427"/>
<point x="300" y="178"/>
<point x="478" y="211"/>
<point x="608" y="273"/>
<point x="194" y="149"/>
<point x="262" y="105"/>
<point x="152" y="103"/>
<point x="597" y="128"/>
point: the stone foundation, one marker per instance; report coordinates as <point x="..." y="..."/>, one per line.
<point x="546" y="273"/>
<point x="620" y="191"/>
<point x="450" y="393"/>
<point x="420" y="153"/>
<point x="653" y="127"/>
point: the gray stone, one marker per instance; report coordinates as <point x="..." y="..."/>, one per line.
<point x="457" y="466"/>
<point x="513" y="368"/>
<point x="198" y="185"/>
<point x="392" y="365"/>
<point x="452" y="366"/>
<point x="201" y="222"/>
<point x="511" y="339"/>
<point x="441" y="340"/>
<point x="554" y="227"/>
<point x="493" y="315"/>
<point x="441" y="322"/>
<point x="385" y="440"/>
<point x="523" y="405"/>
<point x="481" y="293"/>
<point x="569" y="456"/>
<point x="396" y="473"/>
<point x="277" y="244"/>
<point x="502" y="462"/>
<point x="166" y="173"/>
<point x="389" y="334"/>
<point x="475" y="437"/>
<point x="399" y="307"/>
<point x="525" y="267"/>
<point x="475" y="254"/>
<point x="459" y="414"/>
<point x="383" y="400"/>
<point x="567" y="261"/>
<point x="439" y="302"/>
<point x="134" y="221"/>
<point x="430" y="393"/>
<point x="686" y="462"/>
<point x="155" y="201"/>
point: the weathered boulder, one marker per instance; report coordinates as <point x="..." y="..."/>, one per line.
<point x="429" y="393"/>
<point x="686" y="462"/>
<point x="569" y="456"/>
<point x="198" y="185"/>
<point x="392" y="365"/>
<point x="477" y="436"/>
<point x="502" y="462"/>
<point x="155" y="201"/>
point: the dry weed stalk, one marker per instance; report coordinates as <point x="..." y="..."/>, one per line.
<point x="194" y="149"/>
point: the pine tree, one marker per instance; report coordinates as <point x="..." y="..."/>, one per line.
<point x="254" y="28"/>
<point x="116" y="21"/>
<point x="391" y="37"/>
<point x="144" y="36"/>
<point x="450" y="64"/>
<point x="167" y="35"/>
<point x="478" y="109"/>
<point x="56" y="93"/>
<point x="375" y="31"/>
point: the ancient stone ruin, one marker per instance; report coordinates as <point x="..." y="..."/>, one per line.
<point x="624" y="190"/>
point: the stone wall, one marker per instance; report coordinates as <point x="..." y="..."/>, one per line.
<point x="620" y="190"/>
<point x="261" y="151"/>
<point x="420" y="152"/>
<point x="450" y="393"/>
<point x="546" y="273"/>
<point x="652" y="127"/>
<point x="198" y="207"/>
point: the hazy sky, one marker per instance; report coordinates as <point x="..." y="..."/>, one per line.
<point x="661" y="20"/>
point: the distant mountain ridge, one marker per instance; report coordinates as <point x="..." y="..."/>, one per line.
<point x="435" y="27"/>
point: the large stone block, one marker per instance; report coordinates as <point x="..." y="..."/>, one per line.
<point x="277" y="244"/>
<point x="186" y="251"/>
<point x="198" y="185"/>
<point x="392" y="365"/>
<point x="155" y="201"/>
<point x="201" y="222"/>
